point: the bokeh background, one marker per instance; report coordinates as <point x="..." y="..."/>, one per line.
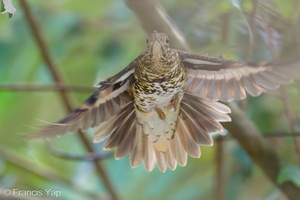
<point x="91" y="40"/>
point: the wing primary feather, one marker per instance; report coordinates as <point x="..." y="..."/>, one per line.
<point x="202" y="135"/>
<point x="185" y="133"/>
<point x="251" y="87"/>
<point x="263" y="82"/>
<point x="117" y="135"/>
<point x="95" y="116"/>
<point x="106" y="128"/>
<point x="139" y="144"/>
<point x="216" y="105"/>
<point x="128" y="138"/>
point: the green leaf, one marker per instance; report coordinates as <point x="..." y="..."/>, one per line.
<point x="290" y="173"/>
<point x="1" y="7"/>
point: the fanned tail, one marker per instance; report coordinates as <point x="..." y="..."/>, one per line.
<point x="198" y="117"/>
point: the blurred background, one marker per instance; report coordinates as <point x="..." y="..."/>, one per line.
<point x="91" y="40"/>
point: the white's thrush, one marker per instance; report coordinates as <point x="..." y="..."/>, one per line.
<point x="162" y="106"/>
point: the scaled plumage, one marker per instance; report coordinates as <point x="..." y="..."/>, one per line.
<point x="162" y="106"/>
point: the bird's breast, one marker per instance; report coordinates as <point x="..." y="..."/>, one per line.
<point x="158" y="93"/>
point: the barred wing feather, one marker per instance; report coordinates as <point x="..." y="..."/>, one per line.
<point x="105" y="103"/>
<point x="227" y="80"/>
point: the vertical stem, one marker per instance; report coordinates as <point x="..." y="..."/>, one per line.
<point x="220" y="176"/>
<point x="66" y="98"/>
<point x="249" y="45"/>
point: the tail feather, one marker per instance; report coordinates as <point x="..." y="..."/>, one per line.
<point x="149" y="156"/>
<point x="180" y="153"/>
<point x="161" y="161"/>
<point x="169" y="156"/>
<point x="197" y="118"/>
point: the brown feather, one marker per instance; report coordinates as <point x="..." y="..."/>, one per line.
<point x="149" y="155"/>
<point x="227" y="80"/>
<point x="139" y="144"/>
<point x="107" y="127"/>
<point x="126" y="143"/>
<point x="161" y="161"/>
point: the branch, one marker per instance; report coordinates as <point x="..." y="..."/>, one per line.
<point x="267" y="135"/>
<point x="66" y="98"/>
<point x="261" y="151"/>
<point x="57" y="87"/>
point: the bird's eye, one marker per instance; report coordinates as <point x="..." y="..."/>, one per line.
<point x="147" y="40"/>
<point x="167" y="40"/>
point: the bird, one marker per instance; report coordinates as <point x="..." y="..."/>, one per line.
<point x="166" y="103"/>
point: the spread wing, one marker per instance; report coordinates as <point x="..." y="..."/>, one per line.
<point x="106" y="102"/>
<point x="227" y="80"/>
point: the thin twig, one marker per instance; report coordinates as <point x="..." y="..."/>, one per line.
<point x="265" y="135"/>
<point x="92" y="156"/>
<point x="35" y="87"/>
<point x="282" y="135"/>
<point x="249" y="44"/>
<point x="220" y="172"/>
<point x="67" y="100"/>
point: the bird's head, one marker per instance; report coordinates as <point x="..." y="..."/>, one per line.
<point x="158" y="43"/>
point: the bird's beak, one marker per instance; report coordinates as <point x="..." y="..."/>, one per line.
<point x="156" y="45"/>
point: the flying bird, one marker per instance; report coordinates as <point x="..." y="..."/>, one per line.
<point x="163" y="105"/>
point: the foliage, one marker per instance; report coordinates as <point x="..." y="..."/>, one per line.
<point x="290" y="173"/>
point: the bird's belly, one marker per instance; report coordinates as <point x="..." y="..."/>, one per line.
<point x="157" y="115"/>
<point x="160" y="97"/>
